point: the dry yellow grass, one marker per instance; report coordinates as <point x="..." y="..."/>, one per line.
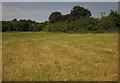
<point x="59" y="56"/>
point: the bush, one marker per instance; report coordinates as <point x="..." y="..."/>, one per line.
<point x="106" y="24"/>
<point x="85" y="24"/>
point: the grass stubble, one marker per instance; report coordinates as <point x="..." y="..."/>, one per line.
<point x="43" y="56"/>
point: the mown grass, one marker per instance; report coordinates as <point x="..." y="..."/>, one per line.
<point x="60" y="56"/>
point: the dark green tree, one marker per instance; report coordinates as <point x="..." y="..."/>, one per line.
<point x="116" y="17"/>
<point x="55" y="17"/>
<point x="14" y="24"/>
<point x="78" y="11"/>
<point x="24" y="25"/>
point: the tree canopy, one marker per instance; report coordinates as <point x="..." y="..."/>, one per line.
<point x="55" y="16"/>
<point x="78" y="20"/>
<point x="78" y="12"/>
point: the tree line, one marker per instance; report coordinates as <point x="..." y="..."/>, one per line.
<point x="78" y="20"/>
<point x="21" y="25"/>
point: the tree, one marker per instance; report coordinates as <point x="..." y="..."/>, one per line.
<point x="106" y="24"/>
<point x="24" y="25"/>
<point x="14" y="24"/>
<point x="6" y="26"/>
<point x="78" y="11"/>
<point x="116" y="17"/>
<point x="55" y="16"/>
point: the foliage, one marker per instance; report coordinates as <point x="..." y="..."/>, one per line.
<point x="116" y="18"/>
<point x="106" y="24"/>
<point x="78" y="11"/>
<point x="55" y="16"/>
<point x="79" y="20"/>
<point x="82" y="25"/>
<point x="21" y="25"/>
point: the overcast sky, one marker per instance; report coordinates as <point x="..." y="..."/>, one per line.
<point x="40" y="11"/>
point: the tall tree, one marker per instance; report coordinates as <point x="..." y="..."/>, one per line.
<point x="116" y="17"/>
<point x="55" y="16"/>
<point x="78" y="11"/>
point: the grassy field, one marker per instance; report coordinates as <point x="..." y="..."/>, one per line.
<point x="59" y="56"/>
